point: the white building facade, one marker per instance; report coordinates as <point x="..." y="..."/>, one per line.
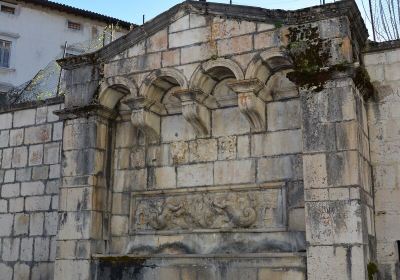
<point x="34" y="32"/>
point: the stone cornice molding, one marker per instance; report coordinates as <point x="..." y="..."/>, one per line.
<point x="85" y="112"/>
<point x="346" y="8"/>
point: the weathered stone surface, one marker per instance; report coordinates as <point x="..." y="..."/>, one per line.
<point x="234" y="172"/>
<point x="24" y="118"/>
<point x="203" y="150"/>
<point x="195" y="175"/>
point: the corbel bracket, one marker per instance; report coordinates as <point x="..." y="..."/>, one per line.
<point x="195" y="111"/>
<point x="250" y="104"/>
<point x="144" y="118"/>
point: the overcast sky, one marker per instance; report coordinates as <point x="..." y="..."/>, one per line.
<point x="133" y="10"/>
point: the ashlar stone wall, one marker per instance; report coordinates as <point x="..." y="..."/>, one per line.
<point x="383" y="64"/>
<point x="190" y="155"/>
<point x="30" y="156"/>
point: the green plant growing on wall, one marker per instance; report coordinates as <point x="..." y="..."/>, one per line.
<point x="372" y="269"/>
<point x="310" y="55"/>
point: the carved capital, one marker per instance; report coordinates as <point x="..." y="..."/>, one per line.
<point x="195" y="111"/>
<point x="144" y="119"/>
<point x="250" y="103"/>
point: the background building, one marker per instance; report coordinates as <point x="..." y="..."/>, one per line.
<point x="34" y="32"/>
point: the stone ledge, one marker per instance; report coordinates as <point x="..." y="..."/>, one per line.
<point x="32" y="104"/>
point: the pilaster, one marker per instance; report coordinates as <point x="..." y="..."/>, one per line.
<point x="336" y="170"/>
<point x="83" y="228"/>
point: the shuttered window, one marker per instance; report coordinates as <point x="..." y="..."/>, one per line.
<point x="5" y="52"/>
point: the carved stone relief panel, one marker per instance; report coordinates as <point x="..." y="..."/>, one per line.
<point x="210" y="209"/>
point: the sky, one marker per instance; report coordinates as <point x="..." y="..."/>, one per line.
<point x="133" y="10"/>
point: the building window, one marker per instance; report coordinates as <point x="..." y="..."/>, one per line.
<point x="74" y="25"/>
<point x="5" y="52"/>
<point x="7" y="9"/>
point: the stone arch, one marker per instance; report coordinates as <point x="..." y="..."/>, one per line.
<point x="158" y="88"/>
<point x="266" y="64"/>
<point x="212" y="78"/>
<point x="113" y="89"/>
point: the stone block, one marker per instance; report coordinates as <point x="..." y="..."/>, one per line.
<point x="16" y="204"/>
<point x="267" y="39"/>
<point x="316" y="194"/>
<point x="235" y="45"/>
<point x="228" y="28"/>
<point x="165" y="177"/>
<point x="7" y="158"/>
<point x="51" y="117"/>
<point x="32" y="188"/>
<point x="21" y="224"/>
<point x="242" y="273"/>
<point x="58" y="131"/>
<point x="4" y="138"/>
<point x="35" y="154"/>
<point x="189" y="37"/>
<point x="119" y="225"/>
<point x="138" y="157"/>
<point x="179" y="24"/>
<point x="83" y="162"/>
<point x="264" y="26"/>
<point x="171" y="58"/>
<point x="72" y="269"/>
<point x="333" y="222"/>
<point x="26" y="249"/>
<point x="203" y="150"/>
<point x="40" y="172"/>
<point x="328" y="261"/>
<point x="52" y="186"/>
<point x="9" y="176"/>
<point x="197" y="20"/>
<point x="10" y="250"/>
<point x="279" y="168"/>
<point x="243" y="146"/>
<point x="175" y="128"/>
<point x="55" y="171"/>
<point x="21" y="271"/>
<point x="392" y="72"/>
<point x="43" y="271"/>
<point x="227" y="148"/>
<point x="347" y="134"/>
<point x="120" y="204"/>
<point x="51" y="153"/>
<point x="16" y="137"/>
<point x="277" y="143"/>
<point x="158" y="155"/>
<point x="5" y="121"/>
<point x="23" y="174"/>
<point x="343" y="169"/>
<point x="237" y="122"/>
<point x="297" y="220"/>
<point x="138" y="49"/>
<point x="6" y="272"/>
<point x="10" y="190"/>
<point x="42" y="249"/>
<point x="315" y="171"/>
<point x="38" y="134"/>
<point x="6" y="222"/>
<point x="125" y="180"/>
<point x="37" y="203"/>
<point x="283" y="115"/>
<point x="196" y="53"/>
<point x="20" y="157"/>
<point x="36" y="224"/>
<point x="339" y="194"/>
<point x="24" y="117"/>
<point x="3" y="206"/>
<point x="179" y="152"/>
<point x="41" y="115"/>
<point x="195" y="175"/>
<point x="158" y="41"/>
<point x="66" y="249"/>
<point x="234" y="172"/>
